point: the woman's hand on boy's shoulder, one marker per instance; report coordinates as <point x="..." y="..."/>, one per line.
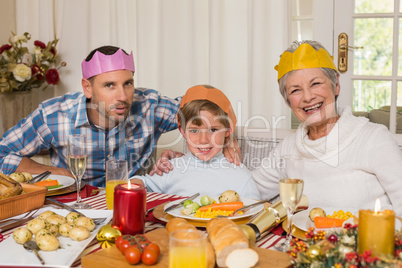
<point x="163" y="164"/>
<point x="232" y="151"/>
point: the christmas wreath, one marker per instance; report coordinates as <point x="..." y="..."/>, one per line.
<point x="338" y="250"/>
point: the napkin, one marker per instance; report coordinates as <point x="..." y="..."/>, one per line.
<point x="87" y="191"/>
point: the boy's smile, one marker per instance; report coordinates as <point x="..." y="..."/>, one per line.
<point x="208" y="139"/>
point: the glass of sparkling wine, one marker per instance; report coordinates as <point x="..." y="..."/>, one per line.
<point x="290" y="191"/>
<point x="116" y="173"/>
<point x="77" y="161"/>
<point x="187" y="249"/>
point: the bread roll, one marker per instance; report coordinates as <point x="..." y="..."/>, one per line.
<point x="225" y="237"/>
<point x="178" y="224"/>
<point x="181" y="224"/>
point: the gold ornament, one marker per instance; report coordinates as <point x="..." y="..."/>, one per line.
<point x="313" y="252"/>
<point x="107" y="236"/>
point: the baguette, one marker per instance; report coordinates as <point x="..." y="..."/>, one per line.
<point x="181" y="224"/>
<point x="225" y="237"/>
<point x="241" y="258"/>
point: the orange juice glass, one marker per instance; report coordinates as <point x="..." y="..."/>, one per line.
<point x="116" y="173"/>
<point x="187" y="249"/>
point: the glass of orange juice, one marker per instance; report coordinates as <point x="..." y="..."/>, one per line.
<point x="116" y="173"/>
<point x="187" y="249"/>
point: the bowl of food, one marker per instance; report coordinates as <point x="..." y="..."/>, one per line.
<point x="18" y="197"/>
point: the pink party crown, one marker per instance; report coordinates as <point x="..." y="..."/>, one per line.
<point x="101" y="63"/>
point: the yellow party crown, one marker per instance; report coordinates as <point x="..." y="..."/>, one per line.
<point x="304" y="57"/>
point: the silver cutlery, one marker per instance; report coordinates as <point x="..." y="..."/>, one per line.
<point x="249" y="206"/>
<point x="62" y="205"/>
<point x="12" y="223"/>
<point x="181" y="203"/>
<point x="40" y="177"/>
<point x="31" y="245"/>
<point x="243" y="208"/>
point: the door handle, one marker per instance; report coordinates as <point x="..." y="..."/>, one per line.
<point x="343" y="49"/>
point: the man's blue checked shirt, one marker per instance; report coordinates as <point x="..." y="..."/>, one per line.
<point x="48" y="127"/>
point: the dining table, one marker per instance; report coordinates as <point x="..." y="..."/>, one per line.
<point x="155" y="224"/>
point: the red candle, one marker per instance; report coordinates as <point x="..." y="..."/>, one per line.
<point x="129" y="208"/>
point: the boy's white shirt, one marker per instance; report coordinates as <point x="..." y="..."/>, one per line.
<point x="191" y="175"/>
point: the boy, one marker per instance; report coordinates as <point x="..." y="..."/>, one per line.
<point x="205" y="119"/>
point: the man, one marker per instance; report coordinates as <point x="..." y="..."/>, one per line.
<point x="118" y="120"/>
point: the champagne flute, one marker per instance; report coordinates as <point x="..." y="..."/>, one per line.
<point x="290" y="191"/>
<point x="77" y="160"/>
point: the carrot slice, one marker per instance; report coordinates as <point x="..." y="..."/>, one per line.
<point x="223" y="206"/>
<point x="324" y="222"/>
<point x="47" y="183"/>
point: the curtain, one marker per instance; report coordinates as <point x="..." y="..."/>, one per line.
<point x="230" y="44"/>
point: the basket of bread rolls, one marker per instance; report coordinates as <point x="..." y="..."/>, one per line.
<point x="19" y="197"/>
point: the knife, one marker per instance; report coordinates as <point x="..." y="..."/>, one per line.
<point x="181" y="203"/>
<point x="59" y="204"/>
<point x="9" y="226"/>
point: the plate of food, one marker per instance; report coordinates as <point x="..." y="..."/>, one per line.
<point x="328" y="218"/>
<point x="56" y="182"/>
<point x="63" y="256"/>
<point x="178" y="212"/>
<point x="337" y="218"/>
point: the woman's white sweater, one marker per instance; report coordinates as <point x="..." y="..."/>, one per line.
<point x="356" y="163"/>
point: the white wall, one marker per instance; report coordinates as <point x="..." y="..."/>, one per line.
<point x="7" y="20"/>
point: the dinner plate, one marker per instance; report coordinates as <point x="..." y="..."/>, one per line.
<point x="63" y="180"/>
<point x="246" y="201"/>
<point x="302" y="221"/>
<point x="63" y="257"/>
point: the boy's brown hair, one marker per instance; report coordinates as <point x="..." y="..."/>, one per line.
<point x="190" y="112"/>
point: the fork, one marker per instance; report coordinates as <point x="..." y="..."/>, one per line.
<point x="59" y="204"/>
<point x="12" y="223"/>
<point x="29" y="214"/>
<point x="40" y="177"/>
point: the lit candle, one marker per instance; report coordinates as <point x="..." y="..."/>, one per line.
<point x="376" y="231"/>
<point x="129" y="208"/>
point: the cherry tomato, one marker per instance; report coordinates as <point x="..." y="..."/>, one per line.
<point x="133" y="255"/>
<point x="155" y="247"/>
<point x="124" y="246"/>
<point x="118" y="242"/>
<point x="143" y="240"/>
<point x="149" y="256"/>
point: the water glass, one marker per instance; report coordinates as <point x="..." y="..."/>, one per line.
<point x="187" y="249"/>
<point x="116" y="173"/>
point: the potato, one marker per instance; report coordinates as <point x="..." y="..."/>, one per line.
<point x="19" y="177"/>
<point x="79" y="233"/>
<point x="46" y="214"/>
<point x="22" y="235"/>
<point x="35" y="225"/>
<point x="65" y="228"/>
<point x="28" y="176"/>
<point x="72" y="216"/>
<point x="229" y="196"/>
<point x="52" y="229"/>
<point x="85" y="222"/>
<point x="47" y="242"/>
<point x="316" y="212"/>
<point x="56" y="219"/>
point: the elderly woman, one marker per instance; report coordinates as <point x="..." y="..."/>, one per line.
<point x="348" y="161"/>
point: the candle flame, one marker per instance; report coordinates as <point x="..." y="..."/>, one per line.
<point x="377" y="206"/>
<point x="129" y="184"/>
